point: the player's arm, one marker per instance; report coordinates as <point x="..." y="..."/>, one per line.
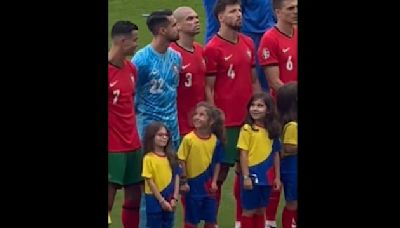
<point x="255" y="81"/>
<point x="210" y="82"/>
<point x="211" y="56"/>
<point x="164" y="203"/>
<point x="272" y="74"/>
<point x="244" y="165"/>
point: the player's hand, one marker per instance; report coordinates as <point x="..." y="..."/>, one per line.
<point x="173" y="204"/>
<point x="214" y="187"/>
<point x="277" y="184"/>
<point x="166" y="206"/>
<point x="184" y="188"/>
<point x="247" y="184"/>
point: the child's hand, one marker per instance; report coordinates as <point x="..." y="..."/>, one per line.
<point x="277" y="183"/>
<point x="184" y="188"/>
<point x="247" y="184"/>
<point x="166" y="206"/>
<point x="214" y="187"/>
<point x="173" y="204"/>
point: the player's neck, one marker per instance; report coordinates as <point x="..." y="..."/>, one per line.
<point x="160" y="44"/>
<point x="186" y="41"/>
<point x="116" y="57"/>
<point x="228" y="34"/>
<point x="285" y="28"/>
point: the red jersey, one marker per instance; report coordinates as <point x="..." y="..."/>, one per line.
<point x="232" y="64"/>
<point x="191" y="88"/>
<point x="279" y="49"/>
<point x="122" y="130"/>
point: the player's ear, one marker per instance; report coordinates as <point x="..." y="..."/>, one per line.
<point x="162" y="31"/>
<point x="220" y="17"/>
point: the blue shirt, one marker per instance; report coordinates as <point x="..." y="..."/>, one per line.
<point x="156" y="89"/>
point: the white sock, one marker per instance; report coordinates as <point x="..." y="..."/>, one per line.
<point x="269" y="223"/>
<point x="237" y="224"/>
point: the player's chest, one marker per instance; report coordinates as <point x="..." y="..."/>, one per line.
<point x="164" y="69"/>
<point x="193" y="64"/>
<point x="122" y="81"/>
<point x="237" y="56"/>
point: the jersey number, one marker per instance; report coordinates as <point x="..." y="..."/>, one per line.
<point x="188" y="82"/>
<point x="116" y="95"/>
<point x="156" y="86"/>
<point x="231" y="72"/>
<point x="289" y="63"/>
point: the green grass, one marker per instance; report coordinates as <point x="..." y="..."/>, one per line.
<point x="132" y="10"/>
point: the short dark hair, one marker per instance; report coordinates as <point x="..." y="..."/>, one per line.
<point x="277" y="4"/>
<point x="158" y="19"/>
<point x="220" y="6"/>
<point x="123" y="28"/>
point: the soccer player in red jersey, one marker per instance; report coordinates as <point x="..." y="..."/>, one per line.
<point x="231" y="76"/>
<point x="192" y="74"/>
<point x="125" y="156"/>
<point x="278" y="49"/>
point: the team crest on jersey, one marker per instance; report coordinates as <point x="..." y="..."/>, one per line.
<point x="248" y="53"/>
<point x="265" y="53"/>
<point x="204" y="62"/>
<point x="176" y="70"/>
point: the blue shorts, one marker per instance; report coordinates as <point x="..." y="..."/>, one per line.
<point x="289" y="181"/>
<point x="197" y="209"/>
<point x="256" y="198"/>
<point x="162" y="219"/>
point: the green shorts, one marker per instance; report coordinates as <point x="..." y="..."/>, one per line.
<point x="231" y="154"/>
<point x="125" y="168"/>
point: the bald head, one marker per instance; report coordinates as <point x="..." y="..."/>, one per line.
<point x="181" y="12"/>
<point x="187" y="20"/>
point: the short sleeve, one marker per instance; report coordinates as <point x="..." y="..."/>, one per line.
<point x="244" y="138"/>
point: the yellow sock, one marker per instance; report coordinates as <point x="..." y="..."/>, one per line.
<point x="109" y="219"/>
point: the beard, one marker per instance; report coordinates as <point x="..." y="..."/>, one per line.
<point x="235" y="27"/>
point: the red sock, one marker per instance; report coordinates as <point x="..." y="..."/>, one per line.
<point x="246" y="222"/>
<point x="272" y="207"/>
<point x="188" y="225"/>
<point x="295" y="216"/>
<point x="183" y="207"/>
<point x="258" y="221"/>
<point x="287" y="217"/>
<point x="209" y="225"/>
<point x="236" y="194"/>
<point x="130" y="214"/>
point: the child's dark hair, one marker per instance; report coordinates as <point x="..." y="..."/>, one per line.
<point x="271" y="121"/>
<point x="286" y="101"/>
<point x="217" y="116"/>
<point x="148" y="142"/>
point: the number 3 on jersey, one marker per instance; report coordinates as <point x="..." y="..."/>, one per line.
<point x="188" y="81"/>
<point x="156" y="86"/>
